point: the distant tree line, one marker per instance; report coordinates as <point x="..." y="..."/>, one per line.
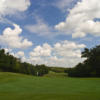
<point x="90" y="67"/>
<point x="9" y="63"/>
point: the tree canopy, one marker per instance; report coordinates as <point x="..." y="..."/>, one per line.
<point x="90" y="67"/>
<point x="9" y="63"/>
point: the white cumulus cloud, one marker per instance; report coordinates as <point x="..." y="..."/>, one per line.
<point x="20" y="54"/>
<point x="63" y="54"/>
<point x="12" y="6"/>
<point x="45" y="50"/>
<point x="81" y="19"/>
<point x="12" y="38"/>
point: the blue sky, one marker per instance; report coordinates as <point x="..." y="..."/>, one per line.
<point x="51" y="32"/>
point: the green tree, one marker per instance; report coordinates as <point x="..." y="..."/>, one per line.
<point x="90" y="67"/>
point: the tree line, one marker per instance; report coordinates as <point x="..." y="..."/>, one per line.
<point x="9" y="63"/>
<point x="90" y="67"/>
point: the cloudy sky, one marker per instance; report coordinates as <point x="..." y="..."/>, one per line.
<point x="51" y="32"/>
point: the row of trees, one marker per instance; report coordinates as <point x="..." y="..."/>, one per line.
<point x="9" y="63"/>
<point x="90" y="67"/>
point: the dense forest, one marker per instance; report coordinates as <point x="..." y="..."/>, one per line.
<point x="9" y="63"/>
<point x="90" y="67"/>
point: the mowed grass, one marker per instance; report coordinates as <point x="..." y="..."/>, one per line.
<point x="54" y="75"/>
<point x="23" y="87"/>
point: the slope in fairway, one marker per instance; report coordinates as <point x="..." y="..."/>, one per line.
<point x="23" y="87"/>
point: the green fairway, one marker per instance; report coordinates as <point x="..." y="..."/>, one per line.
<point x="54" y="74"/>
<point x="23" y="87"/>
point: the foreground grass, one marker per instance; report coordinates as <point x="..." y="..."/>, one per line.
<point x="23" y="87"/>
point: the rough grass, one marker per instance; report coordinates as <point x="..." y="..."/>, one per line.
<point x="23" y="87"/>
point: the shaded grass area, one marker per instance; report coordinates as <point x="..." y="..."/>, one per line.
<point x="23" y="87"/>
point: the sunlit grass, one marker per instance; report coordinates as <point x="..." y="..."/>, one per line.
<point x="23" y="87"/>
